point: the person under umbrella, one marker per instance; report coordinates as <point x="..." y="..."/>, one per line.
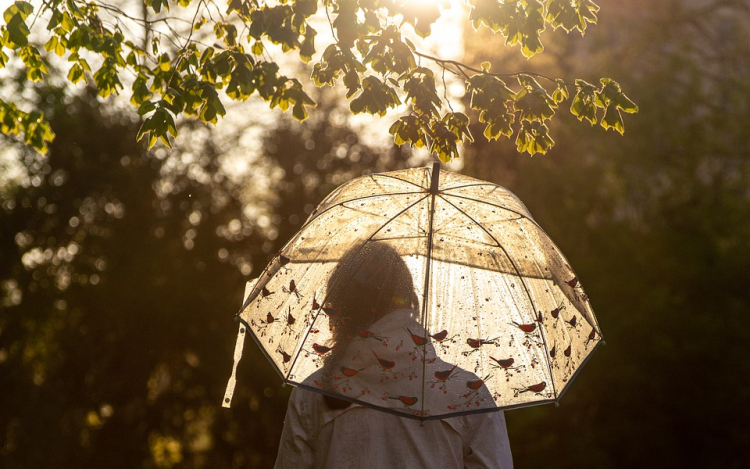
<point x="373" y="309"/>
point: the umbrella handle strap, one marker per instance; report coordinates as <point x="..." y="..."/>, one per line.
<point x="238" y="347"/>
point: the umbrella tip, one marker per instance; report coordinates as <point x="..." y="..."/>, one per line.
<point x="557" y="404"/>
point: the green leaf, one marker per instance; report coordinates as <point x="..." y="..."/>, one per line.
<point x="158" y="126"/>
<point x="33" y="129"/>
<point x="411" y="130"/>
<point x="106" y="79"/>
<point x="375" y="97"/>
<point x="444" y="142"/>
<point x="22" y="9"/>
<point x="533" y="138"/>
<point x="584" y="102"/>
<point x="67" y="23"/>
<point x="561" y="92"/>
<point x="146" y="107"/>
<point x="75" y="74"/>
<point x="492" y="98"/>
<point x="571" y="15"/>
<point x="421" y="92"/>
<point x="54" y="20"/>
<point x="458" y="124"/>
<point x="613" y="119"/>
<point x="18" y="32"/>
<point x="533" y="100"/>
<point x="165" y="63"/>
<point x="611" y="92"/>
<point x="157" y="5"/>
<point x="140" y="92"/>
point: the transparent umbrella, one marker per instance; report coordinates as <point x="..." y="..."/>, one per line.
<point x="424" y="293"/>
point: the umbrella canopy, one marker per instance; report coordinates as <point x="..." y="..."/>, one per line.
<point x="425" y="293"/>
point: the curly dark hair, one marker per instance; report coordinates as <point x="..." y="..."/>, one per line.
<point x="370" y="281"/>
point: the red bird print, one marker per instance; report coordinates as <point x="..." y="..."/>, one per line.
<point x="527" y="328"/>
<point x="573" y="282"/>
<point x="474" y="385"/>
<point x="385" y="364"/>
<point x="292" y="288"/>
<point x="265" y="292"/>
<point x="322" y="349"/>
<point x="504" y="363"/>
<point x="285" y="356"/>
<point x="440" y="335"/>
<point x="592" y="336"/>
<point x="289" y="318"/>
<point x="406" y="400"/>
<point x="349" y="372"/>
<point x="535" y="388"/>
<point x="269" y="318"/>
<point x="366" y="334"/>
<point x="283" y="260"/>
<point x="568" y="351"/>
<point x="476" y="343"/>
<point x="315" y="304"/>
<point x="573" y="321"/>
<point x="556" y="312"/>
<point x="444" y="375"/>
<point x="418" y="339"/>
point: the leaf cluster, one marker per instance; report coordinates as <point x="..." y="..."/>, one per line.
<point x="179" y="74"/>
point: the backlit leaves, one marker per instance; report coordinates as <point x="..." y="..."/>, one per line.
<point x="15" y="34"/>
<point x="492" y="99"/>
<point x="376" y="97"/>
<point x="612" y="99"/>
<point x="571" y="15"/>
<point x="31" y="127"/>
<point x="533" y="101"/>
<point x="521" y="22"/>
<point x="533" y="137"/>
<point x="609" y="97"/>
<point x="190" y="68"/>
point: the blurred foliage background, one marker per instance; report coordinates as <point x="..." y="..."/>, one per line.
<point x="121" y="269"/>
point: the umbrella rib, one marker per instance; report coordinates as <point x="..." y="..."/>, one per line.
<point x="520" y="277"/>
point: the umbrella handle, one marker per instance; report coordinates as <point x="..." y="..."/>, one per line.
<point x="238" y="346"/>
<point x="237" y="355"/>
